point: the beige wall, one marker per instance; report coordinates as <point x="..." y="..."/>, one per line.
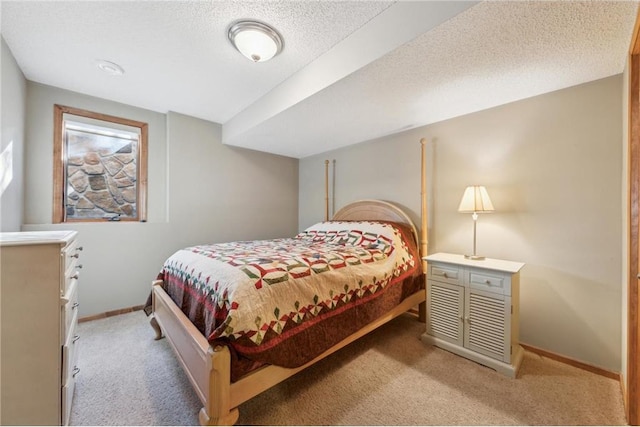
<point x="219" y="193"/>
<point x="198" y="191"/>
<point x="12" y="104"/>
<point x="553" y="167"/>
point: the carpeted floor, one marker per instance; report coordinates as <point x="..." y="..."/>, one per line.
<point x="388" y="377"/>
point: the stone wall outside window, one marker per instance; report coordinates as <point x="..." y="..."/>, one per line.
<point x="101" y="176"/>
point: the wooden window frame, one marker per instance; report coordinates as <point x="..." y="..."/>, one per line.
<point x="632" y="387"/>
<point x="59" y="163"/>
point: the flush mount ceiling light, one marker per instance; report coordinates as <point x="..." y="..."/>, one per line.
<point x="110" y="67"/>
<point x="255" y="40"/>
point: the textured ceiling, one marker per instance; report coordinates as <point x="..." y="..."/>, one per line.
<point x="350" y="70"/>
<point x="175" y="53"/>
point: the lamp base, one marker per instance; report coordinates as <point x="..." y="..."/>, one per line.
<point x="475" y="257"/>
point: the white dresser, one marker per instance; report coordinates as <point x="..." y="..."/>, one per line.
<point x="38" y="346"/>
<point x="473" y="309"/>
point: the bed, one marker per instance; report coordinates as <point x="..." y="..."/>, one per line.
<point x="364" y="268"/>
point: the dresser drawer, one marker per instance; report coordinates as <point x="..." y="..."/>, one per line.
<point x="489" y="281"/>
<point x="67" y="400"/>
<point x="69" y="311"/>
<point x="70" y="257"/>
<point x="69" y="283"/>
<point x="70" y="355"/>
<point x="445" y="273"/>
<point x="71" y="253"/>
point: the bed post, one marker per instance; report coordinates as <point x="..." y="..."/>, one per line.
<point x="152" y="320"/>
<point x="217" y="410"/>
<point x="333" y="188"/>
<point x="424" y="234"/>
<point x="326" y="190"/>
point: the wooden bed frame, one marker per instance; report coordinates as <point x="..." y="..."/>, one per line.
<point x="208" y="368"/>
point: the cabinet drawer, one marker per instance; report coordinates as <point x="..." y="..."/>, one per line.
<point x="489" y="281"/>
<point x="445" y="273"/>
<point x="70" y="355"/>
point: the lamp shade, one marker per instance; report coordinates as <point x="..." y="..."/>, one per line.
<point x="475" y="199"/>
<point x="255" y="40"/>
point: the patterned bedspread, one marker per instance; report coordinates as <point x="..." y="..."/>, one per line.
<point x="285" y="301"/>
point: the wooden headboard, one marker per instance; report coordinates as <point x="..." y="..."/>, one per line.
<point x="385" y="211"/>
<point x="375" y="210"/>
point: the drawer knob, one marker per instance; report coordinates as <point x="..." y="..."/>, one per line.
<point x="79" y="248"/>
<point x="488" y="282"/>
<point x="75" y="338"/>
<point x="79" y="266"/>
<point x="75" y="276"/>
<point x="445" y="275"/>
<point x="75" y="256"/>
<point x="76" y="371"/>
<point x="75" y="305"/>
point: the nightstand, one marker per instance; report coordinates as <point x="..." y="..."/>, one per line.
<point x="473" y="309"/>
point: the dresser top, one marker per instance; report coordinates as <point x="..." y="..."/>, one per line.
<point x="36" y="237"/>
<point x="488" y="263"/>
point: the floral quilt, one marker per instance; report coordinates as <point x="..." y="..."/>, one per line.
<point x="257" y="295"/>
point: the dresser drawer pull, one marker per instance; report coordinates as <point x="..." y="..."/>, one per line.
<point x="75" y="305"/>
<point x="79" y="248"/>
<point x="75" y="256"/>
<point x="75" y="338"/>
<point x="488" y="282"/>
<point x="76" y="371"/>
<point x="79" y="266"/>
<point x="75" y="276"/>
<point x="445" y="275"/>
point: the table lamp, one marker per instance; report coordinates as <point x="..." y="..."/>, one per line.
<point x="475" y="200"/>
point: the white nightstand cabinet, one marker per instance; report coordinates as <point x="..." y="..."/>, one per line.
<point x="473" y="309"/>
<point x="39" y="313"/>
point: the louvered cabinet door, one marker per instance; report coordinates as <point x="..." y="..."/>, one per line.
<point x="488" y="324"/>
<point x="446" y="308"/>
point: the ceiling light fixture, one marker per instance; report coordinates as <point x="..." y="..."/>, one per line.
<point x="110" y="67"/>
<point x="255" y="40"/>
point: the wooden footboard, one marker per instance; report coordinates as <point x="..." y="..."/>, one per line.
<point x="208" y="368"/>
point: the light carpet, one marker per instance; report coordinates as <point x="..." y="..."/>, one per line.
<point x="388" y="377"/>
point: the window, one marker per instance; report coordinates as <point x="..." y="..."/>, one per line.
<point x="100" y="167"/>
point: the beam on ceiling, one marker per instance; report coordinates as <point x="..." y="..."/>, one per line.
<point x="395" y="26"/>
